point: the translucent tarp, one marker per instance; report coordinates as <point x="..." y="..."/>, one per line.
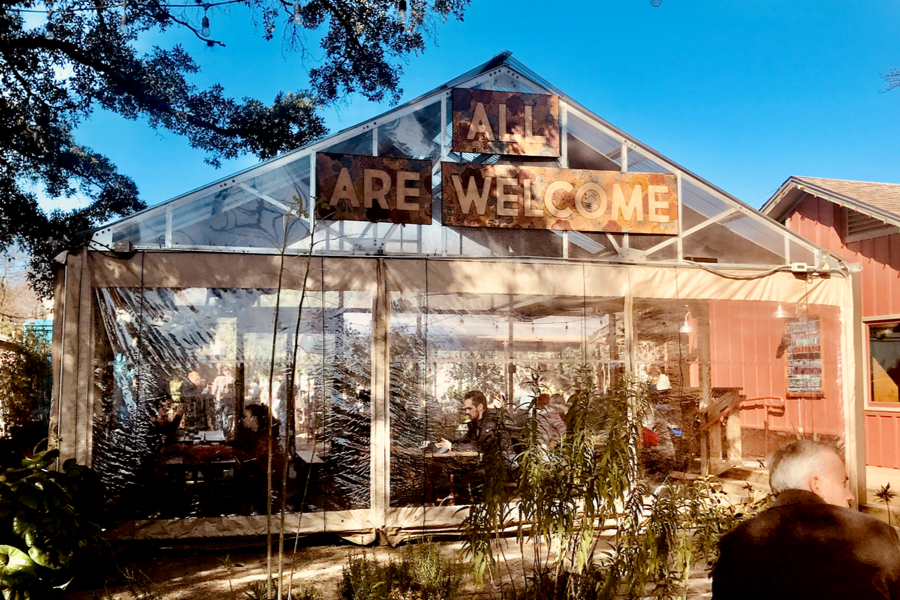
<point x="182" y="376"/>
<point x="184" y="388"/>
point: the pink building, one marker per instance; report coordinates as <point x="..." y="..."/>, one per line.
<point x="860" y="221"/>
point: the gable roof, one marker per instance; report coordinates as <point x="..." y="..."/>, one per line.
<point x="244" y="212"/>
<point x="877" y="200"/>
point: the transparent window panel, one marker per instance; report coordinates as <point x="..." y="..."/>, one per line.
<point x="884" y="373"/>
<point x="508" y="347"/>
<point x="473" y="241"/>
<point x="640" y="163"/>
<point x="412" y="402"/>
<point x="591" y="137"/>
<point x="415" y="135"/>
<point x="646" y="241"/>
<point x="695" y="198"/>
<point x="581" y="155"/>
<point x="727" y="241"/>
<point x="666" y="253"/>
<point x="785" y="361"/>
<point x="144" y="230"/>
<point x="589" y="245"/>
<point x="239" y="216"/>
<point x="186" y="390"/>
<point x="358" y="144"/>
<point x="671" y="358"/>
<point x="801" y="254"/>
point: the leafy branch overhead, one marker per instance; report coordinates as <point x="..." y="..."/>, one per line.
<point x="70" y="57"/>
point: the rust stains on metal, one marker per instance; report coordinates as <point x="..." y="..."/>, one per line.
<point x="372" y="188"/>
<point x="489" y="122"/>
<point x="521" y="197"/>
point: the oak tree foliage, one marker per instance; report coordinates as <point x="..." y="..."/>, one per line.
<point x="60" y="60"/>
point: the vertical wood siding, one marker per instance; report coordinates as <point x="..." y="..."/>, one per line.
<point x="744" y="341"/>
<point x="818" y="220"/>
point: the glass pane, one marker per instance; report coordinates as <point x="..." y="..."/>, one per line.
<point x="144" y="230"/>
<point x="186" y="391"/>
<point x="593" y="138"/>
<point x="588" y="245"/>
<point x="415" y="135"/>
<point x="699" y="200"/>
<point x="639" y="163"/>
<point x="358" y="144"/>
<point x="235" y="217"/>
<point x="802" y="254"/>
<point x="736" y="239"/>
<point x="884" y="348"/>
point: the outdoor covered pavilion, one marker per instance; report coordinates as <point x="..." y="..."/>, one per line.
<point x="389" y="268"/>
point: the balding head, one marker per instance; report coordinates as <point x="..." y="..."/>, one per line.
<point x="810" y="466"/>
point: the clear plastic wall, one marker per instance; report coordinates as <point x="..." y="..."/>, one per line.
<point x="362" y="376"/>
<point x="187" y="380"/>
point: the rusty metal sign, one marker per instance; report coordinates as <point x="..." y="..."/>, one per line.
<point x="373" y="188"/>
<point x="489" y="122"/>
<point x="522" y="197"/>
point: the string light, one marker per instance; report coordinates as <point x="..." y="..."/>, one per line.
<point x="297" y="19"/>
<point x="401" y="11"/>
<point x="204" y="25"/>
<point x="49" y="26"/>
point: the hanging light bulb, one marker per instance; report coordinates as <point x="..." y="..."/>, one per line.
<point x="401" y="11"/>
<point x="204" y="29"/>
<point x="655" y="3"/>
<point x="780" y="313"/>
<point x="686" y="328"/>
<point x="297" y="19"/>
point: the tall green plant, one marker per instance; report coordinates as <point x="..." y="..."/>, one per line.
<point x="595" y="528"/>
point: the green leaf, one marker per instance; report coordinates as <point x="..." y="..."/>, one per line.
<point x="43" y="558"/>
<point x="41" y="460"/>
<point x="16" y="567"/>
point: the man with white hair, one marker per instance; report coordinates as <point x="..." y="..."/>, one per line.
<point x="808" y="543"/>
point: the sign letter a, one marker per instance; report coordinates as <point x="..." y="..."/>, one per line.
<point x="480" y="123"/>
<point x="343" y="190"/>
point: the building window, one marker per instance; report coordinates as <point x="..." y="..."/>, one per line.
<point x="884" y="349"/>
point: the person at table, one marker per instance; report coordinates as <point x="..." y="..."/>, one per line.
<point x="192" y="397"/>
<point x="251" y="450"/>
<point x="167" y="421"/>
<point x="223" y="393"/>
<point x="551" y="426"/>
<point x="482" y="422"/>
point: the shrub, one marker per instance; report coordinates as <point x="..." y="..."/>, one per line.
<point x="421" y="574"/>
<point x="51" y="527"/>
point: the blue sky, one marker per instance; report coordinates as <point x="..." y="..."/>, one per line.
<point x="744" y="94"/>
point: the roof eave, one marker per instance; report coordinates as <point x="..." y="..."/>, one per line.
<point x="789" y="195"/>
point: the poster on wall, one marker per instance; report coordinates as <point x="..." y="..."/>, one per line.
<point x="489" y="122"/>
<point x="373" y="188"/>
<point x="526" y="197"/>
<point x="804" y="357"/>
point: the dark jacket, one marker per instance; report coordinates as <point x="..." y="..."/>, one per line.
<point x="801" y="547"/>
<point x="477" y="433"/>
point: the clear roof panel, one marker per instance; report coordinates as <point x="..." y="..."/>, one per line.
<point x="414" y="135"/>
<point x="246" y="212"/>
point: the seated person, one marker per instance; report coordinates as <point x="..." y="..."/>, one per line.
<point x="482" y="422"/>
<point x="251" y="450"/>
<point x="167" y="421"/>
<point x="551" y="426"/>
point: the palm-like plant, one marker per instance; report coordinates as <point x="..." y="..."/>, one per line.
<point x="886" y="494"/>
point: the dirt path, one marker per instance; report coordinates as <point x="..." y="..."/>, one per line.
<point x="161" y="573"/>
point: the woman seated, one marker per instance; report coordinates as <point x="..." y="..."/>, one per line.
<point x="251" y="450"/>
